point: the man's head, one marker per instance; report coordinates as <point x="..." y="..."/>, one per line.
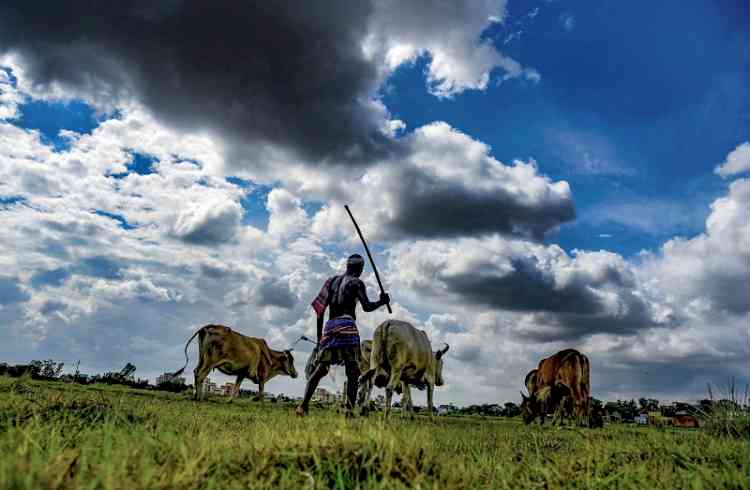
<point x="354" y="265"/>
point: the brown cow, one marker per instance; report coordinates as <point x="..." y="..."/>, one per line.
<point x="560" y="384"/>
<point x="235" y="354"/>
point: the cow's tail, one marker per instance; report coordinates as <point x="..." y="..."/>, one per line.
<point x="182" y="370"/>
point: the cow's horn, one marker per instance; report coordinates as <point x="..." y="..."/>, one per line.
<point x="440" y="353"/>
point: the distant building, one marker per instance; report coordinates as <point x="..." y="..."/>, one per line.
<point x="168" y="378"/>
<point x="324" y="396"/>
<point x="684" y="419"/>
<point x="210" y="387"/>
<point x="642" y="419"/>
<point x="613" y="417"/>
<point x="228" y="388"/>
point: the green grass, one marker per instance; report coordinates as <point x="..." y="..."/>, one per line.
<point x="55" y="435"/>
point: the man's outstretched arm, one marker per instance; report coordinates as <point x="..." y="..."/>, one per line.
<point x="368" y="305"/>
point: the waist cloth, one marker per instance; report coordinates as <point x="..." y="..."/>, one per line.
<point x="340" y="342"/>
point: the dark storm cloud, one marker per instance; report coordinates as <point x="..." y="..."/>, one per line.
<point x="558" y="297"/>
<point x="267" y="76"/>
<point x="275" y="293"/>
<point x="289" y="74"/>
<point x="467" y="212"/>
<point x="573" y="310"/>
<point x="525" y="288"/>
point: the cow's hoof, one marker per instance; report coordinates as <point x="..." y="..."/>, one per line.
<point x="364" y="412"/>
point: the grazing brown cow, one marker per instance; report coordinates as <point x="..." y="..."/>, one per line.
<point x="560" y="384"/>
<point x="235" y="354"/>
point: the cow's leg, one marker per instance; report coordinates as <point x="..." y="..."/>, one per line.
<point x="406" y="401"/>
<point x="388" y="397"/>
<point x="319" y="373"/>
<point x="390" y="387"/>
<point x="560" y="411"/>
<point x="237" y="385"/>
<point x="430" y="405"/>
<point x="261" y="385"/>
<point x="201" y="372"/>
<point x="363" y="399"/>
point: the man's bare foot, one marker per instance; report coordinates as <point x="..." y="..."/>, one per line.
<point x="301" y="412"/>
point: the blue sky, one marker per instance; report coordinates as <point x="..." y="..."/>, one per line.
<point x="653" y="95"/>
<point x="151" y="202"/>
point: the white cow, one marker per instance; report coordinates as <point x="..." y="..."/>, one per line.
<point x="402" y="356"/>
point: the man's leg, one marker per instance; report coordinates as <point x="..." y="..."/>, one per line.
<point x="320" y="371"/>
<point x="352" y="383"/>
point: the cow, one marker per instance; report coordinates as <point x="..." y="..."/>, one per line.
<point x="402" y="356"/>
<point x="365" y="387"/>
<point x="235" y="354"/>
<point x="560" y="384"/>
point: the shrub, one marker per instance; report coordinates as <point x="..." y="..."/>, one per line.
<point x="728" y="416"/>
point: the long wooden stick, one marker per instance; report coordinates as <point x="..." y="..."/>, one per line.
<point x="369" y="255"/>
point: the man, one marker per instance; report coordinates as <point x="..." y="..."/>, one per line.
<point x="338" y="342"/>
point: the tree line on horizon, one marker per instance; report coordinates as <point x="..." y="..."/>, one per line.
<point x="624" y="410"/>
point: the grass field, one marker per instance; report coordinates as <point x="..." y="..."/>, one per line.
<point x="55" y="435"/>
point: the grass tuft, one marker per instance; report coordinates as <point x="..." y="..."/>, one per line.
<point x="729" y="416"/>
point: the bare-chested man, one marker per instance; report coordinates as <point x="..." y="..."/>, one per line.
<point x="338" y="342"/>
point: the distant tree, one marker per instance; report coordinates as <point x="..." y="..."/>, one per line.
<point x="648" y="404"/>
<point x="511" y="409"/>
<point x="49" y="369"/>
<point x="631" y="410"/>
<point x="596" y="403"/>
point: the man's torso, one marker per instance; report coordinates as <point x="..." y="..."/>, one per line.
<point x="343" y="296"/>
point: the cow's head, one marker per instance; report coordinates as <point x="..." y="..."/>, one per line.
<point x="529" y="404"/>
<point x="439" y="365"/>
<point x="288" y="363"/>
<point x="529" y="408"/>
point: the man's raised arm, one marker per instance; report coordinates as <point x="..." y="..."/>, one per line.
<point x="368" y="305"/>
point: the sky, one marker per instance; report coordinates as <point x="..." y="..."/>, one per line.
<point x="531" y="176"/>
